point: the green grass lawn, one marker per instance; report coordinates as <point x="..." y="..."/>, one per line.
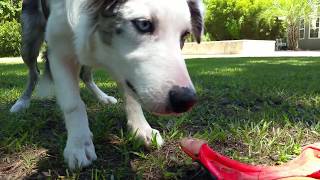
<point x="257" y="110"/>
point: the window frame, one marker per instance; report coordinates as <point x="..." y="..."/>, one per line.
<point x="302" y="28"/>
<point x="317" y="21"/>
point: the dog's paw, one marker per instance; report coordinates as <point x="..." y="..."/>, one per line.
<point x="20" y="105"/>
<point x="149" y="136"/>
<point x="79" y="152"/>
<point x="105" y="99"/>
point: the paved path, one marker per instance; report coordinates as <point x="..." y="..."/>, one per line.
<point x="14" y="60"/>
<point x="17" y="60"/>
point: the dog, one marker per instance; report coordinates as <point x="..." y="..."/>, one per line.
<point x="139" y="42"/>
<point x="34" y="17"/>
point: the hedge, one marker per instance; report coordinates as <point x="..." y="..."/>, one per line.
<point x="10" y="39"/>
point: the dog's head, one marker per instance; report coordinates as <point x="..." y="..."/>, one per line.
<point x="140" y="42"/>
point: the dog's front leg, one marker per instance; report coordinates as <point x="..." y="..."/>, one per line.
<point x="138" y="124"/>
<point x="79" y="151"/>
<point x="86" y="76"/>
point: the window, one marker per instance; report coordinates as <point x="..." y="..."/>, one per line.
<point x="301" y="29"/>
<point x="314" y="28"/>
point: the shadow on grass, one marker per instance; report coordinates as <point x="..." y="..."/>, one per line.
<point x="232" y="93"/>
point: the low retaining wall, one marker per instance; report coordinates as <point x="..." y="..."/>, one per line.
<point x="229" y="47"/>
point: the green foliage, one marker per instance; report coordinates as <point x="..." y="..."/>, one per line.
<point x="206" y="37"/>
<point x="10" y="38"/>
<point x="239" y="19"/>
<point x="9" y="10"/>
<point x="291" y="12"/>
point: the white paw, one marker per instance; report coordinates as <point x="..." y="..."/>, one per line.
<point x="79" y="152"/>
<point x="107" y="99"/>
<point x="148" y="136"/>
<point x="20" y="105"/>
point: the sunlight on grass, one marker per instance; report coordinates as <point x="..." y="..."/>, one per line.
<point x="223" y="71"/>
<point x="107" y="84"/>
<point x="294" y="62"/>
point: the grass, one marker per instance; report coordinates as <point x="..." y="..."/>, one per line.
<point x="257" y="110"/>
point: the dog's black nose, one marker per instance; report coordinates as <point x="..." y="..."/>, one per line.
<point x="182" y="99"/>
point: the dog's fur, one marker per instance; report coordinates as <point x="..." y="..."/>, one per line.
<point x="137" y="41"/>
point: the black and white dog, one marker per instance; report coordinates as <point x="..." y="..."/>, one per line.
<point x="138" y="42"/>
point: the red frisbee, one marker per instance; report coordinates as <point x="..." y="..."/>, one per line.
<point x="306" y="165"/>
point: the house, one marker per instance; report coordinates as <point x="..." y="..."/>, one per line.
<point x="309" y="34"/>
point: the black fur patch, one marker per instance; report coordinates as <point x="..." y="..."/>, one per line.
<point x="47" y="68"/>
<point x="30" y="6"/>
<point x="131" y="86"/>
<point x="105" y="17"/>
<point x="45" y="9"/>
<point x="196" y="19"/>
<point x="105" y="8"/>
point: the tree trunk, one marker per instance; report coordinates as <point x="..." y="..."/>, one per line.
<point x="293" y="36"/>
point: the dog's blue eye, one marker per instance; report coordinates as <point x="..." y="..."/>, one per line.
<point x="143" y="25"/>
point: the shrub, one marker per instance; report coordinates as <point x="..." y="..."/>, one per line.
<point x="239" y="19"/>
<point x="10" y="39"/>
<point x="10" y="10"/>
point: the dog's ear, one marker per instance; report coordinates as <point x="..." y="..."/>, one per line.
<point x="197" y="18"/>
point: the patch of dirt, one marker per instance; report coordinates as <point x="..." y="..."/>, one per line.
<point x="171" y="163"/>
<point x="17" y="166"/>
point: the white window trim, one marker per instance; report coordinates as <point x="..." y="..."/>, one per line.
<point x="304" y="30"/>
<point x="316" y="28"/>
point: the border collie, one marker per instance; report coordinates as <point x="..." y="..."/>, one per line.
<point x="138" y="42"/>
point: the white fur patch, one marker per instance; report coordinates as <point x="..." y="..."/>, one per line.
<point x="101" y="96"/>
<point x="79" y="151"/>
<point x="138" y="125"/>
<point x="20" y="105"/>
<point x="45" y="88"/>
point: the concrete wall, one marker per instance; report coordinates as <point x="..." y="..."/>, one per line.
<point x="230" y="47"/>
<point x="308" y="44"/>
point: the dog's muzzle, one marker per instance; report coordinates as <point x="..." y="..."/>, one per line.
<point x="182" y="99"/>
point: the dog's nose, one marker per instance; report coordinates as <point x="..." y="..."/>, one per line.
<point x="182" y="99"/>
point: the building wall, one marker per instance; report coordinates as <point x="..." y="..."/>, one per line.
<point x="230" y="47"/>
<point x="307" y="43"/>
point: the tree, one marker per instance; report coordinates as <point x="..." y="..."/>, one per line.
<point x="239" y="19"/>
<point x="290" y="12"/>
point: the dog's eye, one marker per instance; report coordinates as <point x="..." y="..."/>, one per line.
<point x="143" y="25"/>
<point x="183" y="39"/>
